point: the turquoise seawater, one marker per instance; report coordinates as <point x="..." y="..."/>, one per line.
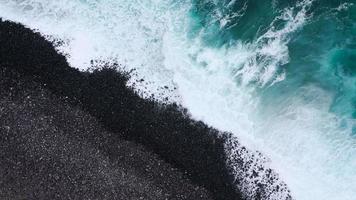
<point x="322" y="52"/>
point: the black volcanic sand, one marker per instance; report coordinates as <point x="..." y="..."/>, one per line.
<point x="50" y="149"/>
<point x="56" y="147"/>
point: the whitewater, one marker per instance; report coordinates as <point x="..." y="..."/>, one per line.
<point x="279" y="75"/>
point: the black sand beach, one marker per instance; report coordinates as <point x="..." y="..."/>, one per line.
<point x="67" y="134"/>
<point x="52" y="150"/>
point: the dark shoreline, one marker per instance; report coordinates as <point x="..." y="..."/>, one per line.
<point x="191" y="146"/>
<point x="50" y="149"/>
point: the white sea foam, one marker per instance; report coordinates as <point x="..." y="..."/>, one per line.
<point x="310" y="148"/>
<point x="127" y="32"/>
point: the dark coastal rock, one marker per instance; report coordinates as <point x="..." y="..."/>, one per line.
<point x="50" y="149"/>
<point x="191" y="146"/>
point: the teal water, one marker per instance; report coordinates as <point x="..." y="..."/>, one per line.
<point x="279" y="74"/>
<point x="322" y="52"/>
<point x="319" y="72"/>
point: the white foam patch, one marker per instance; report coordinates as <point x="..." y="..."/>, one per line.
<point x="126" y="32"/>
<point x="310" y="148"/>
<point x="309" y="142"/>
